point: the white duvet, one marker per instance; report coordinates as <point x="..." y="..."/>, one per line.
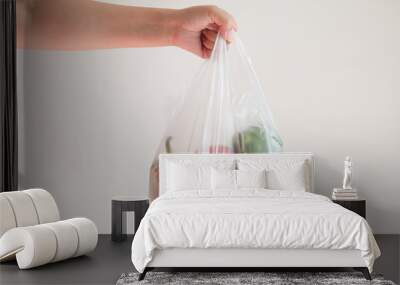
<point x="250" y="218"/>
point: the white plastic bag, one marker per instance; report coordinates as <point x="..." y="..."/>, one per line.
<point x="224" y="111"/>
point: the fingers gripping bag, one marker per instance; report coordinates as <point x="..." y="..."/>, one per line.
<point x="224" y="111"/>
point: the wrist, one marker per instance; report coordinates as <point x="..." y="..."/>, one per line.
<point x="170" y="24"/>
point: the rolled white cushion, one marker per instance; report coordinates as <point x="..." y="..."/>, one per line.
<point x="7" y="219"/>
<point x="87" y="233"/>
<point x="37" y="245"/>
<point x="33" y="246"/>
<point x="23" y="208"/>
<point x="67" y="240"/>
<point x="46" y="207"/>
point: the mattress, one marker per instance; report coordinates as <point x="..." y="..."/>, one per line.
<point x="250" y="219"/>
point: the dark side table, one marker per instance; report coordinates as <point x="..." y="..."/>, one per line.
<point x="120" y="205"/>
<point x="357" y="206"/>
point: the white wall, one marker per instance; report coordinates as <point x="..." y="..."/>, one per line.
<point x="331" y="70"/>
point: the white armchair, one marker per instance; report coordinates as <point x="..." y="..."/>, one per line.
<point x="31" y="230"/>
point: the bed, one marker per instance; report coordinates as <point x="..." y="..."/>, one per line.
<point x="246" y="211"/>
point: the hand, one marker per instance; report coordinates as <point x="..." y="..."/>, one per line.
<point x="197" y="28"/>
<point x="87" y="25"/>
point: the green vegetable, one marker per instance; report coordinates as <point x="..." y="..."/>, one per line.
<point x="252" y="140"/>
<point x="255" y="140"/>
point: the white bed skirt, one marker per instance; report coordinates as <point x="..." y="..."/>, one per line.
<point x="236" y="257"/>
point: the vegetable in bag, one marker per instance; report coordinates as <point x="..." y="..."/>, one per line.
<point x="224" y="111"/>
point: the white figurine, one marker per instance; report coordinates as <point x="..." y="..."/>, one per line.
<point x="347" y="173"/>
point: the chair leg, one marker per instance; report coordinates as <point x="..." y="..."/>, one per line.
<point x="364" y="271"/>
<point x="143" y="274"/>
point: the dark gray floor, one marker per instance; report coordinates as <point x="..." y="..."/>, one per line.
<point x="389" y="262"/>
<point x="103" y="266"/>
<point x="109" y="260"/>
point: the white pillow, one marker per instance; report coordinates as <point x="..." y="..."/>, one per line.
<point x="282" y="174"/>
<point x="188" y="177"/>
<point x="223" y="179"/>
<point x="288" y="178"/>
<point x="251" y="178"/>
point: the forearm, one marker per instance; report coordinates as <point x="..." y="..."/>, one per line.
<point x="85" y="24"/>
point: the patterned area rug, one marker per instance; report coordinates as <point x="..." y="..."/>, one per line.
<point x="243" y="278"/>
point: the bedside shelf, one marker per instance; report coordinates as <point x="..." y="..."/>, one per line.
<point x="119" y="206"/>
<point x="357" y="206"/>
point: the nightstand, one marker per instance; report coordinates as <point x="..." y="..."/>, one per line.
<point x="120" y="205"/>
<point x="358" y="206"/>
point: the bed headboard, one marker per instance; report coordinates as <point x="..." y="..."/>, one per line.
<point x="215" y="159"/>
